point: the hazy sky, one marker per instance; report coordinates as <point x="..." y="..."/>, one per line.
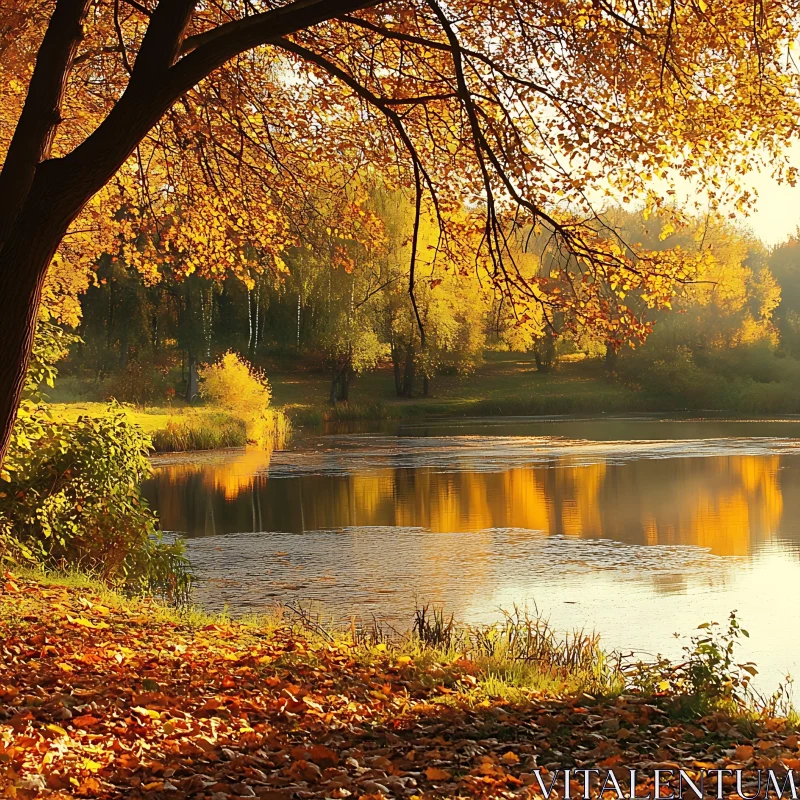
<point x="774" y="216"/>
<point x="777" y="213"/>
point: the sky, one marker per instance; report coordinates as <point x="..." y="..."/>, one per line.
<point x="775" y="215"/>
<point x="777" y="210"/>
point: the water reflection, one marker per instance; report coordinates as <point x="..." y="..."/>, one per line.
<point x="728" y="504"/>
<point x="635" y="537"/>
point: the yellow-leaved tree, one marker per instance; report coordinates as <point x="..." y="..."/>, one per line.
<point x="209" y="120"/>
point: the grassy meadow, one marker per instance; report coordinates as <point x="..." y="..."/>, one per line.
<point x="504" y="384"/>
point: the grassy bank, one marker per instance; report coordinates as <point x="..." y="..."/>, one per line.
<point x="182" y="427"/>
<point x="506" y="384"/>
<point x="105" y="697"/>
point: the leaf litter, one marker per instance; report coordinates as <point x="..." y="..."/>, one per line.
<point x="111" y="700"/>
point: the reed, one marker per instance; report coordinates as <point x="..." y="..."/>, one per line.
<point x="209" y="432"/>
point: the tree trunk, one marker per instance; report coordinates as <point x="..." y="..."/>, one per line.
<point x="123" y="347"/>
<point x="398" y="380"/>
<point x="545" y="353"/>
<point x="344" y="384"/>
<point x="409" y="373"/>
<point x="334" y="393"/>
<point x="192" y="384"/>
<point x="26" y="253"/>
<point x="298" y="322"/>
<point x="611" y="359"/>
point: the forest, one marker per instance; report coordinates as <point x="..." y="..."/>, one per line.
<point x="338" y="307"/>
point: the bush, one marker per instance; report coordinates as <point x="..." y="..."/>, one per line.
<point x="748" y="379"/>
<point x="70" y="497"/>
<point x="709" y="675"/>
<point x="235" y="385"/>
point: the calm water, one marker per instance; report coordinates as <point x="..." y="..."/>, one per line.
<point x="637" y="528"/>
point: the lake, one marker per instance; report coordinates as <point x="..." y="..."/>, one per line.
<point x="637" y="528"/>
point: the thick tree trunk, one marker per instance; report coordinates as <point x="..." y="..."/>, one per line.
<point x="24" y="259"/>
<point x="545" y="353"/>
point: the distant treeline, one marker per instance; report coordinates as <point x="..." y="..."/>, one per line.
<point x="344" y="306"/>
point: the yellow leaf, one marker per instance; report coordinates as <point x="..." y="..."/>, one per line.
<point x="82" y="621"/>
<point x="147" y="712"/>
<point x="57" y="729"/>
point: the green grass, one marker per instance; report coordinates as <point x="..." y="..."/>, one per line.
<point x="210" y="432"/>
<point x="149" y="419"/>
<point x="506" y="384"/>
<point x="172" y="428"/>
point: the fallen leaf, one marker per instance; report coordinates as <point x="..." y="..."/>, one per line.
<point x="436" y="774"/>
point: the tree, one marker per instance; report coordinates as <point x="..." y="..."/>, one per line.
<point x="523" y="108"/>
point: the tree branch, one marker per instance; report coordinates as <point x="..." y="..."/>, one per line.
<point x="139" y="7"/>
<point x="258" y="24"/>
<point x="41" y="114"/>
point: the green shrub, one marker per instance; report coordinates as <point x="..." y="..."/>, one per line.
<point x="70" y="497"/>
<point x="748" y="379"/>
<point x="708" y="677"/>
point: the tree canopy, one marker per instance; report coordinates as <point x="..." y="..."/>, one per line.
<point x="202" y="138"/>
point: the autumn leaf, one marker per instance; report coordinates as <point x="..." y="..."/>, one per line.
<point x="744" y="752"/>
<point x="437" y="774"/>
<point x="85" y="721"/>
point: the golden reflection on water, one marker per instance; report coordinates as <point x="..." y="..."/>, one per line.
<point x="725" y="503"/>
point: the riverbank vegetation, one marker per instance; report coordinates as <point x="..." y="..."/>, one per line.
<point x="70" y="492"/>
<point x="340" y="341"/>
<point x="102" y="696"/>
